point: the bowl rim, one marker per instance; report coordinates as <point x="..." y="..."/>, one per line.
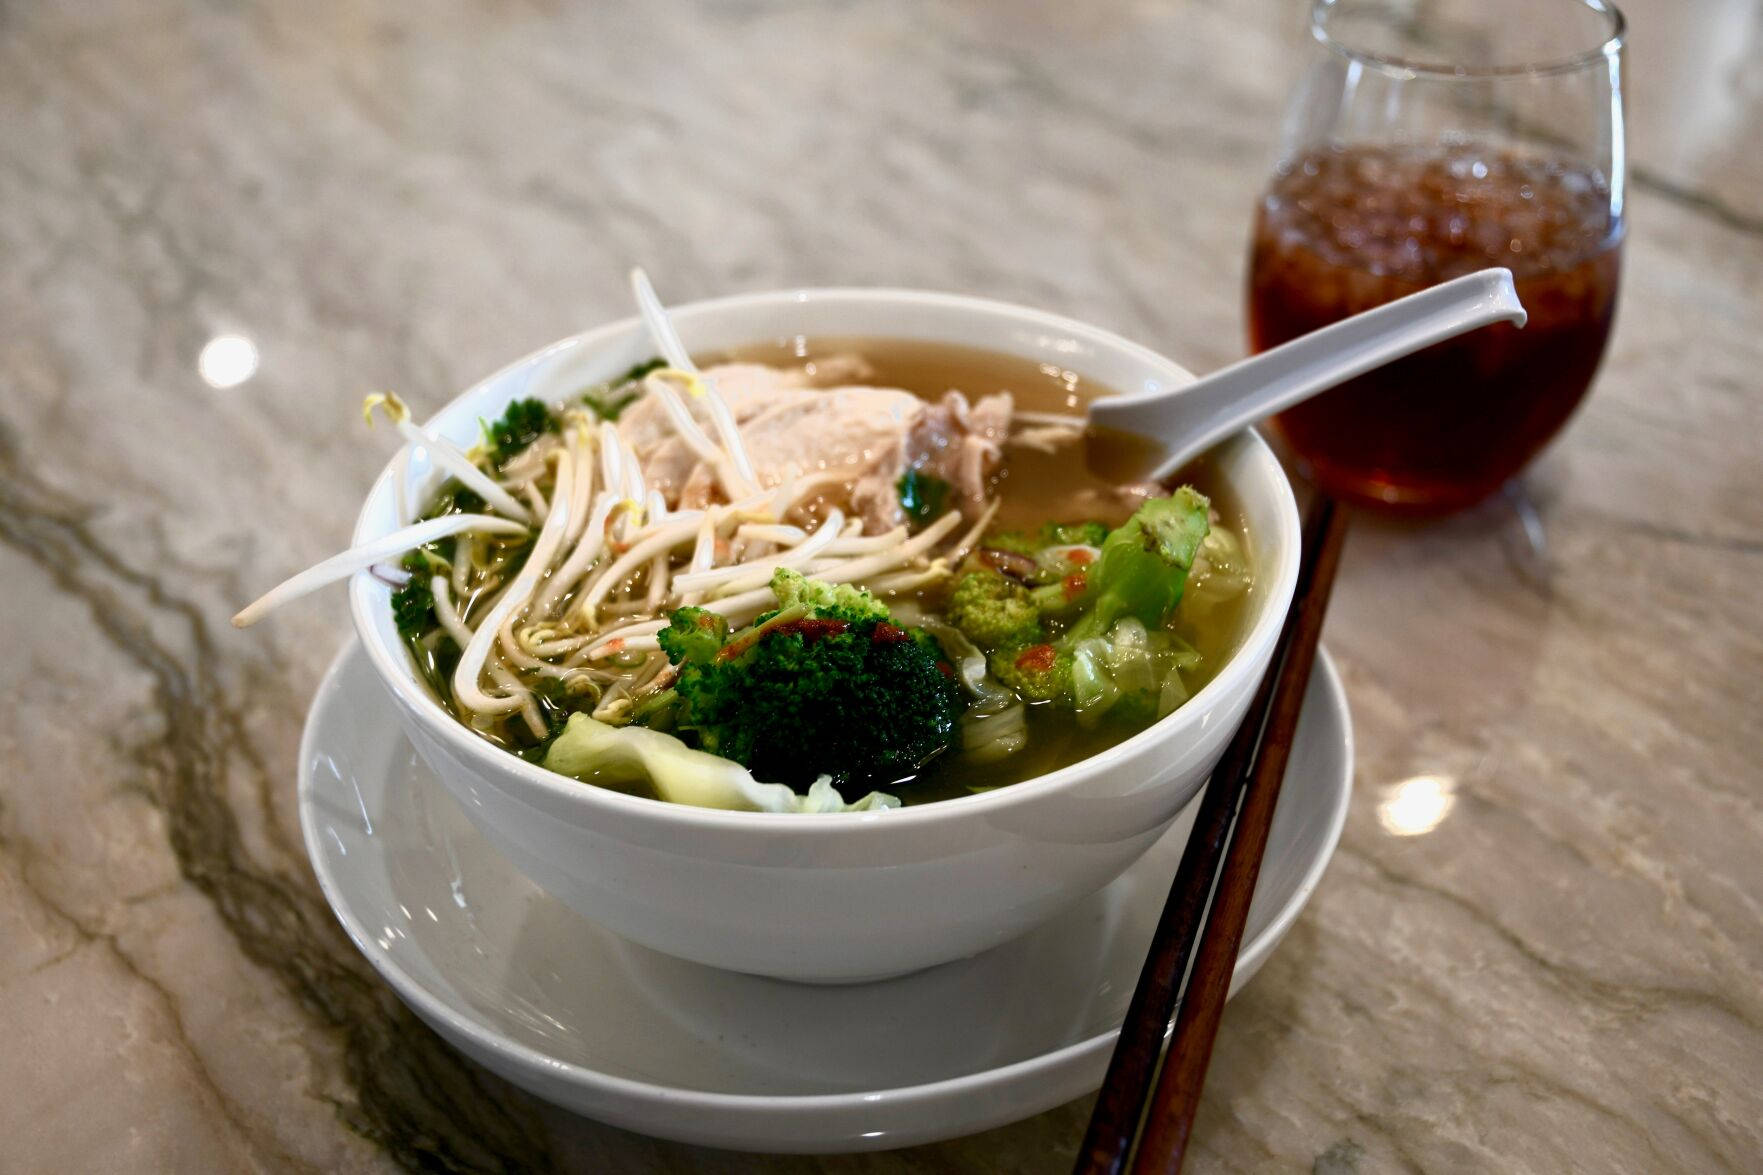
<point x="496" y="766"/>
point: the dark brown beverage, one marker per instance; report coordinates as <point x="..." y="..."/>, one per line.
<point x="1344" y="230"/>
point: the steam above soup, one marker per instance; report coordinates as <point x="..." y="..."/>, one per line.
<point x="815" y="576"/>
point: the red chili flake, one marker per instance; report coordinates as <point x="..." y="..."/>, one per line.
<point x="810" y="629"/>
<point x="1036" y="659"/>
<point x="1080" y="556"/>
<point x="614" y="647"/>
<point x="946" y="669"/>
<point x="1074" y="584"/>
<point x="706" y="621"/>
<point x="888" y="634"/>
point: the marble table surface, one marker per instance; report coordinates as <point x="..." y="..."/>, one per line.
<point x="1566" y="973"/>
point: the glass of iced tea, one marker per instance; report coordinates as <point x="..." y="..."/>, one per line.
<point x="1427" y="139"/>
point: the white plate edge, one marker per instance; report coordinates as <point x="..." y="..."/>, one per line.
<point x="444" y="1018"/>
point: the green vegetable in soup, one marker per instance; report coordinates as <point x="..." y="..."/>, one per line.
<point x="1144" y="565"/>
<point x="1112" y="653"/>
<point x="693" y="634"/>
<point x="524" y="422"/>
<point x="1132" y="673"/>
<point x="992" y="610"/>
<point x="923" y="496"/>
<point x="1070" y="534"/>
<point x="1037" y="672"/>
<point x="839" y="601"/>
<point x="825" y="685"/>
<point x="613" y="755"/>
<point x="454" y="498"/>
<point x="413" y="608"/>
<point x="413" y="605"/>
<point x="1053" y="534"/>
<point x="609" y="400"/>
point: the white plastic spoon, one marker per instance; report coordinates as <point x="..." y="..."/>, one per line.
<point x="1186" y="421"/>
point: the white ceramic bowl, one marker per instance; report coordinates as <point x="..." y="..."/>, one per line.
<point x="840" y="897"/>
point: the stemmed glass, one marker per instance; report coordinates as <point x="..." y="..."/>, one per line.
<point x="1426" y="139"/>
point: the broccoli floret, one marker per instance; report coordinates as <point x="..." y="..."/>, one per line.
<point x="524" y="422"/>
<point x="1067" y="534"/>
<point x="1053" y="534"/>
<point x="1037" y="672"/>
<point x="993" y="610"/>
<point x="1014" y="541"/>
<point x="838" y="601"/>
<point x="827" y="685"/>
<point x="693" y="634"/>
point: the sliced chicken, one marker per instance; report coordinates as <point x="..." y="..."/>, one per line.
<point x="959" y="442"/>
<point x="791" y="427"/>
<point x="747" y="389"/>
<point x="669" y="464"/>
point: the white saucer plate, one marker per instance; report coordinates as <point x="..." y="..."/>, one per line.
<point x="641" y="1040"/>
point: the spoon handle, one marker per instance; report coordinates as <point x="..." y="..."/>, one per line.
<point x="1193" y="418"/>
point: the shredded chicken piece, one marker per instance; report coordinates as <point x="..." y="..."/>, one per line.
<point x="789" y="428"/>
<point x="959" y="442"/>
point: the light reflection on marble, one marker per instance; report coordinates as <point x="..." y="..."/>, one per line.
<point x="227" y="361"/>
<point x="1416" y="806"/>
<point x="1565" y="973"/>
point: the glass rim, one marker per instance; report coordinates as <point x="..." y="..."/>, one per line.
<point x="1615" y="34"/>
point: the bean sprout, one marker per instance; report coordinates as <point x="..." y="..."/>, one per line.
<point x="346" y="563"/>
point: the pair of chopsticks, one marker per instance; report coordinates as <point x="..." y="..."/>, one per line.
<point x="1250" y="772"/>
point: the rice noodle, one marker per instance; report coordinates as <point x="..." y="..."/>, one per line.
<point x="466" y="689"/>
<point x="854" y="570"/>
<point x="529" y="711"/>
<point x="661" y="541"/>
<point x="754" y="572"/>
<point x="866" y="545"/>
<point x="965" y="543"/>
<point x="774" y="532"/>
<point x="580" y="446"/>
<point x="907" y="581"/>
<point x="535" y="500"/>
<point x="447" y="614"/>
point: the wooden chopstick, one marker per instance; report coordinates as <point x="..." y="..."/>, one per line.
<point x="1250" y="771"/>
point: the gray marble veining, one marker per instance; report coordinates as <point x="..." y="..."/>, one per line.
<point x="1564" y="973"/>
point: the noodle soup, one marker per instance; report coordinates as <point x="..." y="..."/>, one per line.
<point x="591" y="645"/>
